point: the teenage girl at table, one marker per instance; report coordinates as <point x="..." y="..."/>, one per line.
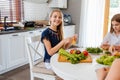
<point x="52" y="37"/>
<point x="112" y="39"/>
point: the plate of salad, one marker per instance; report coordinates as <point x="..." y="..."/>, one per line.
<point x="107" y="59"/>
<point x="94" y="50"/>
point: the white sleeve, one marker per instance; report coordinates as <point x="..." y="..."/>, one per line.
<point x="106" y="38"/>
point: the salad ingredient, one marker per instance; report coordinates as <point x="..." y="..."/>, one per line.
<point x="75" y="51"/>
<point x="106" y="59"/>
<point x="85" y="53"/>
<point x="96" y="50"/>
<point x="73" y="58"/>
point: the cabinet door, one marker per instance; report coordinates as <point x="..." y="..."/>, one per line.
<point x="69" y="31"/>
<point x="58" y="3"/>
<point x="16" y="55"/>
<point x="2" y="54"/>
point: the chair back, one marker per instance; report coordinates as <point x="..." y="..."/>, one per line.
<point x="34" y="47"/>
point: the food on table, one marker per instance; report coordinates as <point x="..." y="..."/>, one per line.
<point x="74" y="56"/>
<point x="95" y="50"/>
<point x="107" y="59"/>
<point x="85" y="53"/>
<point x="75" y="51"/>
<point x="116" y="53"/>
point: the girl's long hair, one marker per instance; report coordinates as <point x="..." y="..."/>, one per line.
<point x="59" y="27"/>
<point x="114" y="18"/>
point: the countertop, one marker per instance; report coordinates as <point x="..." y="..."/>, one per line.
<point x="25" y="30"/>
<point x="21" y="30"/>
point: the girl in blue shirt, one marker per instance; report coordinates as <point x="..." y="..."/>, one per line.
<point x="52" y="37"/>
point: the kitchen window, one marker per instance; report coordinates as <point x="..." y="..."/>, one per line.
<point x="13" y="9"/>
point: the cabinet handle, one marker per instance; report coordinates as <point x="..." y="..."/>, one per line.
<point x="15" y="35"/>
<point x="31" y="32"/>
<point x="40" y="31"/>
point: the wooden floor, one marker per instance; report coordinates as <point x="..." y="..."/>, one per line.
<point x="21" y="73"/>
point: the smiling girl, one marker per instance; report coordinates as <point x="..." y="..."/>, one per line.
<point x="52" y="37"/>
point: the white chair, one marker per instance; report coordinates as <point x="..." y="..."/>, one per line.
<point x="37" y="68"/>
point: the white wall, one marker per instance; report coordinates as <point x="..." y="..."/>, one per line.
<point x="35" y="11"/>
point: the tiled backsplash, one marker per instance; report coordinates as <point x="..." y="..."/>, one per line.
<point x="35" y="11"/>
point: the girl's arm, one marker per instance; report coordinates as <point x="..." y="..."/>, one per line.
<point x="114" y="72"/>
<point x="51" y="50"/>
<point x="105" y="43"/>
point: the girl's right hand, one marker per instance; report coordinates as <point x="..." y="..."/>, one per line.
<point x="105" y="46"/>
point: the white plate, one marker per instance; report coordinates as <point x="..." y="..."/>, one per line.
<point x="97" y="65"/>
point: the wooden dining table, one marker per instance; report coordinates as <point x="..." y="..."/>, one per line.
<point x="80" y="71"/>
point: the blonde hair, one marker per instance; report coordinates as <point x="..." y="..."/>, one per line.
<point x="59" y="27"/>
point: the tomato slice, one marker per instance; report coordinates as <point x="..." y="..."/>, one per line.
<point x="71" y="51"/>
<point x="85" y="53"/>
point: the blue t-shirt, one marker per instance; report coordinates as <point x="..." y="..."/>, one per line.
<point x="53" y="37"/>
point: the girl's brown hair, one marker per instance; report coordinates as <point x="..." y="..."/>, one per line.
<point x="59" y="27"/>
<point x="114" y="18"/>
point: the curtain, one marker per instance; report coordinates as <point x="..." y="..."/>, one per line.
<point x="13" y="9"/>
<point x="91" y="23"/>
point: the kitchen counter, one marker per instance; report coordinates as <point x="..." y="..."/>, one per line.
<point x="17" y="31"/>
<point x="25" y="30"/>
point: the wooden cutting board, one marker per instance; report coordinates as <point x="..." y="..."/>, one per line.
<point x="62" y="58"/>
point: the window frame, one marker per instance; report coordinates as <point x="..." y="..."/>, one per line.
<point x="106" y="17"/>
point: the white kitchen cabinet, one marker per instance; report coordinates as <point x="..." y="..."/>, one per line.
<point x="69" y="31"/>
<point x="16" y="48"/>
<point x="12" y="51"/>
<point x="58" y="3"/>
<point x="2" y="55"/>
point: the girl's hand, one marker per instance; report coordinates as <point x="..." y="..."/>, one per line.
<point x="67" y="42"/>
<point x="70" y="41"/>
<point x="74" y="39"/>
<point x="117" y="48"/>
<point x="105" y="46"/>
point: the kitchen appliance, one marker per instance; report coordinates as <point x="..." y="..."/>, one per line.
<point x="29" y="24"/>
<point x="67" y="19"/>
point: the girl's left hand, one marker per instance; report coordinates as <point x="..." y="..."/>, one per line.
<point x="67" y="42"/>
<point x="74" y="39"/>
<point x="117" y="48"/>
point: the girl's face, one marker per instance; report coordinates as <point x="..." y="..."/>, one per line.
<point x="56" y="19"/>
<point x="116" y="26"/>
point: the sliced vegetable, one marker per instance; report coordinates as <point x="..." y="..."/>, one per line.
<point x="73" y="58"/>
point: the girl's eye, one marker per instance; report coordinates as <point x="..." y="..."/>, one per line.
<point x="60" y="17"/>
<point x="115" y="25"/>
<point x="55" y="16"/>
